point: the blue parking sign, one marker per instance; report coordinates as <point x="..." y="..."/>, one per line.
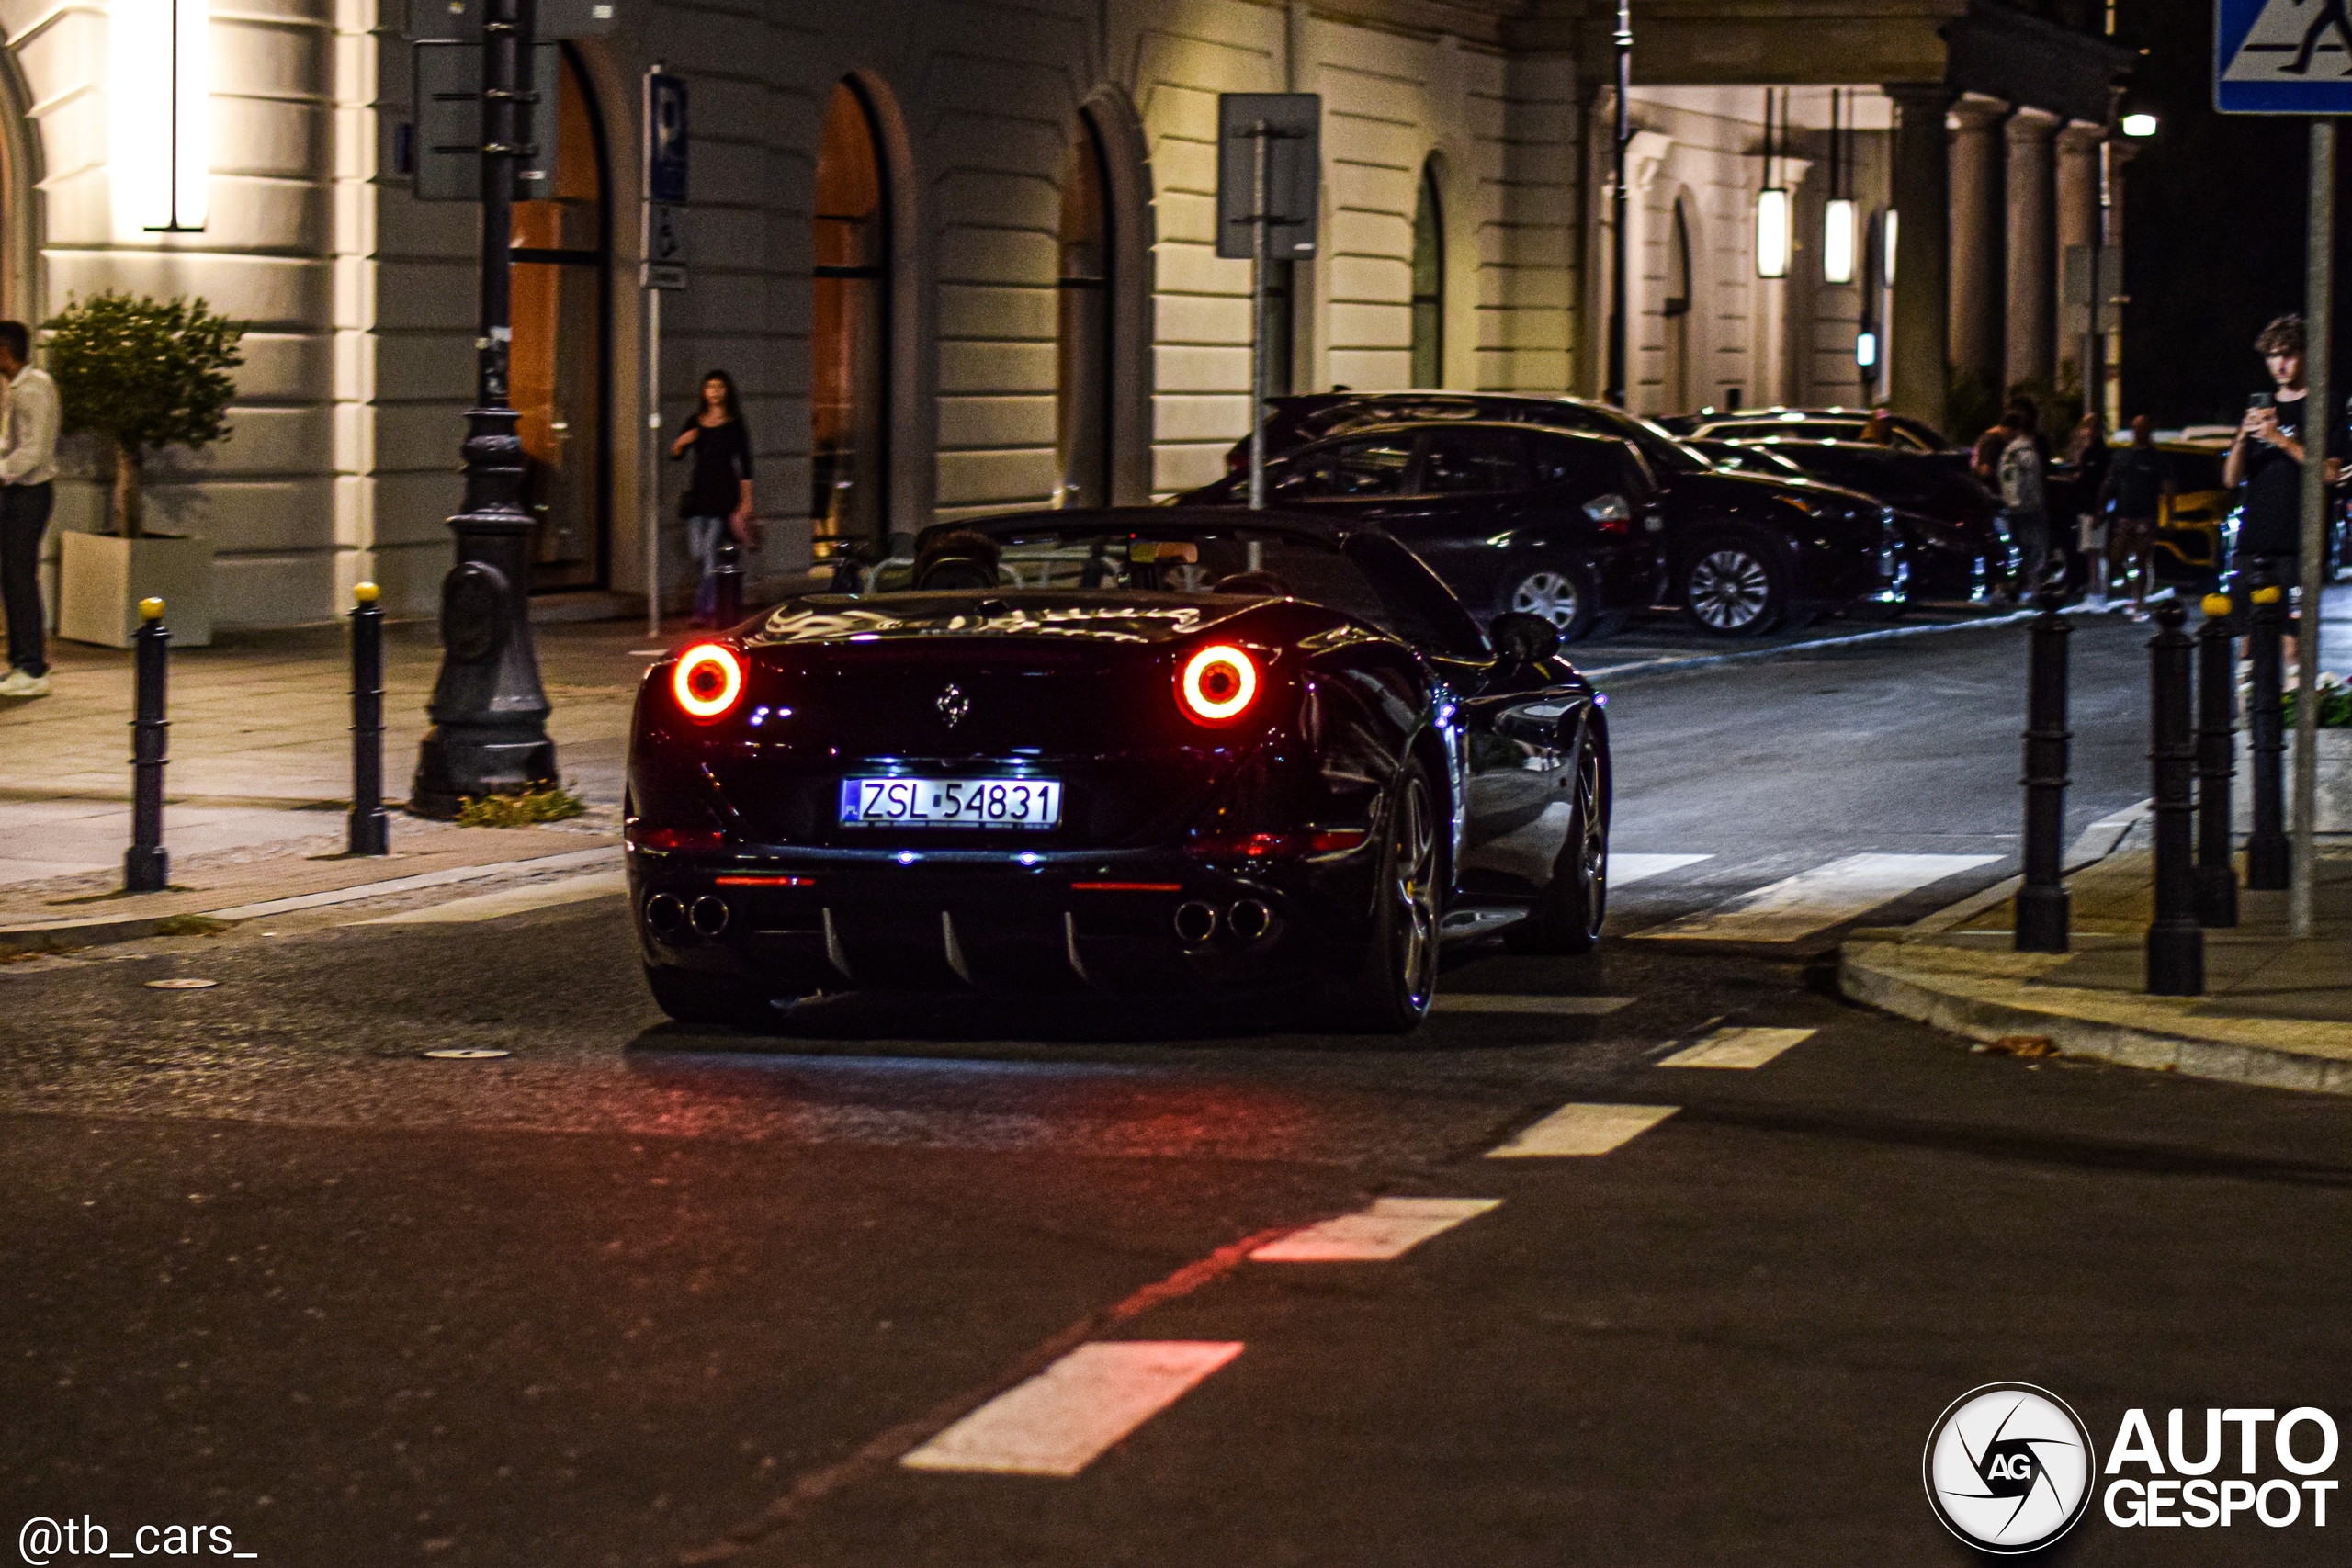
<point x="2282" y="57"/>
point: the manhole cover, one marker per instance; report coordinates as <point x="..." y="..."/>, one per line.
<point x="463" y="1054"/>
<point x="181" y="985"/>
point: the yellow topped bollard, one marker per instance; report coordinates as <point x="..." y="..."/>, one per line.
<point x="2216" y="605"/>
<point x="370" y="831"/>
<point x="151" y="610"/>
<point x="146" y="868"/>
<point x="367" y="592"/>
<point x="2270" y="595"/>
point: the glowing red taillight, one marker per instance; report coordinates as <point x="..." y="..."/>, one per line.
<point x="1218" y="684"/>
<point x="708" y="681"/>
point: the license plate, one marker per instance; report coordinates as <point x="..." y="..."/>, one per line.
<point x="951" y="803"/>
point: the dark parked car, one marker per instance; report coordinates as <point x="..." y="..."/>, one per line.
<point x="1739" y="554"/>
<point x="1541" y="522"/>
<point x="1956" y="536"/>
<point x="1293" y="421"/>
<point x="1812" y="424"/>
<point x="1133" y="751"/>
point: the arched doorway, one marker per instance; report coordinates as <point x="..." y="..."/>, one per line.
<point x="1674" y="307"/>
<point x="849" y="329"/>
<point x="1082" y="387"/>
<point x="1429" y="283"/>
<point x="563" y="321"/>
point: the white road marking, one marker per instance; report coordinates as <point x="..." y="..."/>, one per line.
<point x="1627" y="869"/>
<point x="1738" y="1048"/>
<point x="512" y="901"/>
<point x="1796" y="906"/>
<point x="1061" y="1420"/>
<point x="1390" y="1228"/>
<point x="1583" y="1129"/>
<point x="1584" y="1007"/>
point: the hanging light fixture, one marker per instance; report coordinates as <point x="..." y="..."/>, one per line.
<point x="159" y="98"/>
<point x="1838" y="237"/>
<point x="1887" y="228"/>
<point x="1774" y="240"/>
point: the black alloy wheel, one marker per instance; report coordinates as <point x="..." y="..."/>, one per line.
<point x="1391" y="993"/>
<point x="1555" y="587"/>
<point x="711" y="1001"/>
<point x="1734" y="587"/>
<point x="1567" y="918"/>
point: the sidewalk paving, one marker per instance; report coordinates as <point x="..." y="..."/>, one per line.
<point x="2277" y="1011"/>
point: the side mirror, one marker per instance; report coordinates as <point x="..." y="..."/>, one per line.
<point x="1610" y="508"/>
<point x="1523" y="639"/>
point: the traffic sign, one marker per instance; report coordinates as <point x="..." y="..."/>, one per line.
<point x="665" y="246"/>
<point x="2282" y="57"/>
<point x="1291" y="127"/>
<point x="665" y="138"/>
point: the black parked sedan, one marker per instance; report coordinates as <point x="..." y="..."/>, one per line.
<point x="1540" y="521"/>
<point x="1138" y="751"/>
<point x="1832" y="424"/>
<point x="1955" y="533"/>
<point x="1739" y="554"/>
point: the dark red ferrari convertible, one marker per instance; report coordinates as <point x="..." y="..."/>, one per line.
<point x="1142" y="752"/>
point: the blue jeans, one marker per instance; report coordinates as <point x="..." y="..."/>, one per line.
<point x="703" y="535"/>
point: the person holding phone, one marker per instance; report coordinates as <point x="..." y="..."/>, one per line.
<point x="2265" y="467"/>
<point x="717" y="500"/>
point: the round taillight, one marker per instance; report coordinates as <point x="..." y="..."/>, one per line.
<point x="708" y="680"/>
<point x="1218" y="684"/>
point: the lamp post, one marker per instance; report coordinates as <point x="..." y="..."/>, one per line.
<point x="1623" y="41"/>
<point x="489" y="710"/>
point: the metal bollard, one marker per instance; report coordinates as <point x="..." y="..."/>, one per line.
<point x="2175" y="942"/>
<point x="2217" y="701"/>
<point x="728" y="599"/>
<point x="2042" y="904"/>
<point x="146" y="868"/>
<point x="2266" y="852"/>
<point x="370" y="831"/>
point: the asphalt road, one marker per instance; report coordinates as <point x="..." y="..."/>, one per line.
<point x="635" y="1294"/>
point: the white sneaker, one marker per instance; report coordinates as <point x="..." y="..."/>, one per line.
<point x="23" y="684"/>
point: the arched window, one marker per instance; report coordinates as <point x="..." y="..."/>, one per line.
<point x="1429" y="284"/>
<point x="1083" y="384"/>
<point x="849" y="329"/>
<point x="562" y="322"/>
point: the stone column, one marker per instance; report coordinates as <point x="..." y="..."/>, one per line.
<point x="2033" y="295"/>
<point x="1976" y="232"/>
<point x="1918" y="327"/>
<point x="2078" y="226"/>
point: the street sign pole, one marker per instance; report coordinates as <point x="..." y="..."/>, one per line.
<point x="2319" y="312"/>
<point x="1273" y="194"/>
<point x="1619" y="282"/>
<point x="661" y="267"/>
<point x="1262" y="221"/>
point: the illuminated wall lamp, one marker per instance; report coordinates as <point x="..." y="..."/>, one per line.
<point x="1772" y="237"/>
<point x="159" y="95"/>
<point x="1887" y="226"/>
<point x="1866" y="351"/>
<point x="2139" y="125"/>
<point x="1838" y="241"/>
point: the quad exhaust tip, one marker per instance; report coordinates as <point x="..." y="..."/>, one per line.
<point x="1249" y="919"/>
<point x="708" y="915"/>
<point x="1196" y="922"/>
<point x="664" y="913"/>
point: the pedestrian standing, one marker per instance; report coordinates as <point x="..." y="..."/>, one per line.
<point x="28" y="412"/>
<point x="2087" y="455"/>
<point x="2023" y="493"/>
<point x="717" y="500"/>
<point x="2138" y="485"/>
<point x="1984" y="459"/>
<point x="2265" y="467"/>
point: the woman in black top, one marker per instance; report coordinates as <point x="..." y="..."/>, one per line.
<point x="718" y="493"/>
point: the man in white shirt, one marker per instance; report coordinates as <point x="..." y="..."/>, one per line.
<point x="27" y="465"/>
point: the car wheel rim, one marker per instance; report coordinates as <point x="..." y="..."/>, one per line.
<point x="1416" y="892"/>
<point x="1551" y="595"/>
<point x="1729" y="590"/>
<point x="1593" y="854"/>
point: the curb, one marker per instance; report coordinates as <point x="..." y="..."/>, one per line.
<point x="65" y="936"/>
<point x="1888" y="633"/>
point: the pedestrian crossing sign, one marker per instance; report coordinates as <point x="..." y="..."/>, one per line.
<point x="2282" y="57"/>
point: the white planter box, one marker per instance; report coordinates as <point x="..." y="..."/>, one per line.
<point x="102" y="577"/>
<point x="2333" y="799"/>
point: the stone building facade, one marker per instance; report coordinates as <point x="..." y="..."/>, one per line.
<point x="959" y="255"/>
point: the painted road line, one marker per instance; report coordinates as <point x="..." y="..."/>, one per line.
<point x="1625" y="870"/>
<point x="1796" y="906"/>
<point x="1573" y="1007"/>
<point x="1738" y="1048"/>
<point x="1059" y="1422"/>
<point x="1583" y="1129"/>
<point x="510" y="901"/>
<point x="1390" y="1228"/>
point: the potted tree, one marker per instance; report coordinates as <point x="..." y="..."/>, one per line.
<point x="139" y="374"/>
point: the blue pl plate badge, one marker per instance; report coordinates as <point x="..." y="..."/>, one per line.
<point x="2282" y="57"/>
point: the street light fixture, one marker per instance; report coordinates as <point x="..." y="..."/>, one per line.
<point x="1838" y="237"/>
<point x="159" y="93"/>
<point x="1773" y="240"/>
<point x="2139" y="125"/>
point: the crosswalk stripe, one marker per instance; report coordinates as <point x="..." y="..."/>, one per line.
<point x="1583" y="1129"/>
<point x="511" y="901"/>
<point x="1390" y="1228"/>
<point x="1625" y="870"/>
<point x="1578" y="1007"/>
<point x="1796" y="906"/>
<point x="1060" y="1421"/>
<point x="1738" y="1048"/>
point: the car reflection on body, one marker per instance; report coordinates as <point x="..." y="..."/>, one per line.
<point x="1138" y="751"/>
<point x="1832" y="423"/>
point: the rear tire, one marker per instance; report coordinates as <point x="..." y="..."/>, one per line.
<point x="1390" y="993"/>
<point x="1555" y="588"/>
<point x="1567" y="918"/>
<point x="1733" y="586"/>
<point x="718" y="1001"/>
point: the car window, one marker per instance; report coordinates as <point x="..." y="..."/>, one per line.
<point x="1372" y="465"/>
<point x="1561" y="464"/>
<point x="1660" y="449"/>
<point x="1471" y="462"/>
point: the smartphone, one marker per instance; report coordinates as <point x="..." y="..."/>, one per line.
<point x="2262" y="401"/>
